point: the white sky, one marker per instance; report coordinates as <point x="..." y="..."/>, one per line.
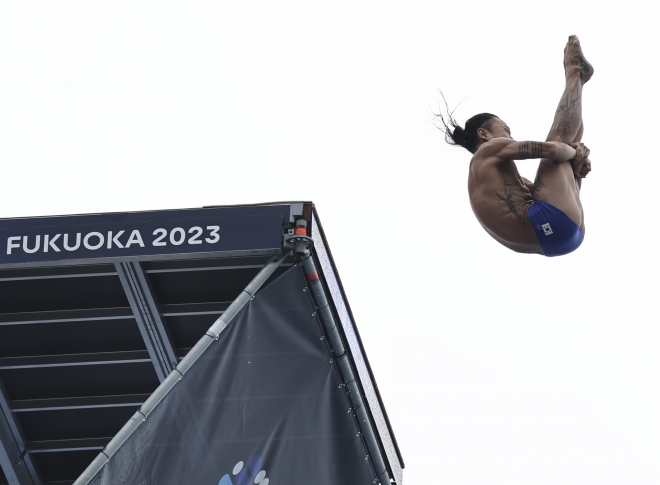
<point x="495" y="367"/>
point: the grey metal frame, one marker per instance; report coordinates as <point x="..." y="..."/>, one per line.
<point x="15" y="451"/>
<point x="149" y="257"/>
<point x="147" y="316"/>
<point x="60" y="316"/>
<point x="87" y="402"/>
<point x="97" y="314"/>
<point x="338" y="299"/>
<point x="179" y="372"/>
<point x="84" y="270"/>
<point x="99" y="358"/>
<point x="342" y="360"/>
<point x="84" y="444"/>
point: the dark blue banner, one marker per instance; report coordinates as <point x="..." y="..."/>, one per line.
<point x="264" y="405"/>
<point x="140" y="234"/>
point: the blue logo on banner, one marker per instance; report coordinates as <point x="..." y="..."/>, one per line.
<point x="245" y="475"/>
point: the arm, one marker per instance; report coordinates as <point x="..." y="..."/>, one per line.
<point x="529" y="184"/>
<point x="507" y="149"/>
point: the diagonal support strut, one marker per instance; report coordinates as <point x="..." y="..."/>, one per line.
<point x="15" y="460"/>
<point x="144" y="307"/>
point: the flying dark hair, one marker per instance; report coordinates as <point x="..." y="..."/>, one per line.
<point x="467" y="138"/>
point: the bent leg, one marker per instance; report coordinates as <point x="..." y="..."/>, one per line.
<point x="555" y="181"/>
<point x="577" y="168"/>
<point x="578" y="137"/>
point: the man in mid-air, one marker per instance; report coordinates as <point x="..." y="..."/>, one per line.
<point x="544" y="217"/>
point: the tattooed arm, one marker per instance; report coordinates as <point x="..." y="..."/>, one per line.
<point x="508" y="149"/>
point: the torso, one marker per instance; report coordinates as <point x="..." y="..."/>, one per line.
<point x="500" y="200"/>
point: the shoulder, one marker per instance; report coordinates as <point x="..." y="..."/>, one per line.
<point x="495" y="145"/>
<point x="492" y="149"/>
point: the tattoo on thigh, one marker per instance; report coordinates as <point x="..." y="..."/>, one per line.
<point x="531" y="149"/>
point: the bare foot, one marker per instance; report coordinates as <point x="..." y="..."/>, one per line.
<point x="574" y="60"/>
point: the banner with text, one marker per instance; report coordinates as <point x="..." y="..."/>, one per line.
<point x="170" y="232"/>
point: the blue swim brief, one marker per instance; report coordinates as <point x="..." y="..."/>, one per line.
<point x="556" y="232"/>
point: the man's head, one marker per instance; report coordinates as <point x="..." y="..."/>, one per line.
<point x="478" y="129"/>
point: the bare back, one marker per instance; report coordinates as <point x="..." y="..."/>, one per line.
<point x="500" y="200"/>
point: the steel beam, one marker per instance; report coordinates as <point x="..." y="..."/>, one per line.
<point x="15" y="460"/>
<point x="337" y="295"/>
<point x="155" y="335"/>
<point x="61" y="316"/>
<point x="67" y="360"/>
<point x="82" y="273"/>
<point x="342" y="359"/>
<point x="84" y="444"/>
<point x="192" y="265"/>
<point x="56" y="273"/>
<point x="204" y="268"/>
<point x="86" y="402"/>
<point x="191" y="309"/>
<point x="120" y="313"/>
